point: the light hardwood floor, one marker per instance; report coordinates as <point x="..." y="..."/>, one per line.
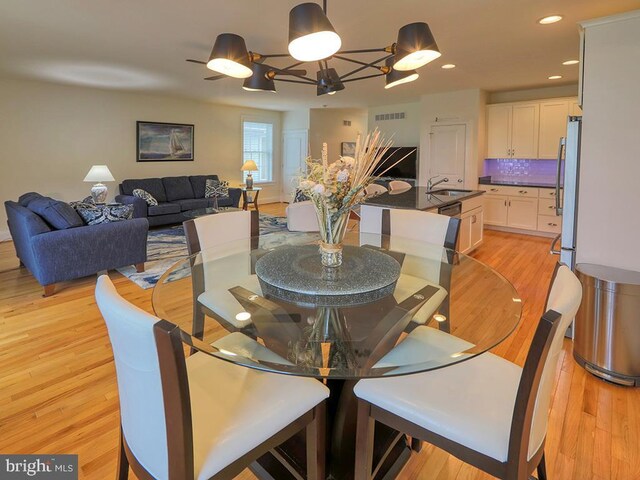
<point x="58" y="391"/>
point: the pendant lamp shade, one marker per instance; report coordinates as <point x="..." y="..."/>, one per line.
<point x="415" y="47"/>
<point x="329" y="82"/>
<point x="259" y="82"/>
<point x="230" y="56"/>
<point x="311" y="35"/>
<point x="396" y="77"/>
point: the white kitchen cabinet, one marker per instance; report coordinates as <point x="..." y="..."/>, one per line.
<point x="495" y="210"/>
<point x="471" y="230"/>
<point x="553" y="126"/>
<point x="524" y="130"/>
<point x="522" y="212"/>
<point x="499" y="131"/>
<point x="574" y="108"/>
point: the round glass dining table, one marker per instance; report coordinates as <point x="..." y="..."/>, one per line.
<point x="394" y="307"/>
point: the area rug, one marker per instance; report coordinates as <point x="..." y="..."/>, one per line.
<point x="167" y="245"/>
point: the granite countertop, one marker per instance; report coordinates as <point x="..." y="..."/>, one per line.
<point x="517" y="183"/>
<point x="417" y="198"/>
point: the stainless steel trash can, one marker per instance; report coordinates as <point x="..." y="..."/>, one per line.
<point x="607" y="326"/>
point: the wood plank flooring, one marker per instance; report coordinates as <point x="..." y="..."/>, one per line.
<point x="58" y="390"/>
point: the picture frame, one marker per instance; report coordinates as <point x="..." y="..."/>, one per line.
<point x="348" y="149"/>
<point x="164" y="142"/>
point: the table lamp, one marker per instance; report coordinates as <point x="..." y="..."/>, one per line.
<point x="98" y="174"/>
<point x="249" y="166"/>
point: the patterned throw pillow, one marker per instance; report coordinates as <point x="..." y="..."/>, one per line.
<point x="146" y="196"/>
<point x="300" y="196"/>
<point x="96" y="214"/>
<point x="216" y="188"/>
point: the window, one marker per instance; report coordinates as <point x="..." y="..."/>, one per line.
<point x="257" y="139"/>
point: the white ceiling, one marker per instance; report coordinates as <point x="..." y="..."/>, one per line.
<point x="141" y="45"/>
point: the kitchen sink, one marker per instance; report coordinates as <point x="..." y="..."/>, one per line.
<point x="449" y="193"/>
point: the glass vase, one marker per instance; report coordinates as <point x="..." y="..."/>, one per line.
<point x="332" y="231"/>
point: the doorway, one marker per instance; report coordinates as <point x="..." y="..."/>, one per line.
<point x="295" y="148"/>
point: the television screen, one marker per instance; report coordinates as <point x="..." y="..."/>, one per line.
<point x="405" y="169"/>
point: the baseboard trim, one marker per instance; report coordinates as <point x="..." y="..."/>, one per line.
<point x="5" y="236"/>
<point x="533" y="233"/>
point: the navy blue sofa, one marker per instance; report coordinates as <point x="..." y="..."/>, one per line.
<point x="175" y="196"/>
<point x="58" y="255"/>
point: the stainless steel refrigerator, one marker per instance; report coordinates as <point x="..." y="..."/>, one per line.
<point x="567" y="183"/>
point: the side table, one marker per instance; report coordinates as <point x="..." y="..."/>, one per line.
<point x="250" y="197"/>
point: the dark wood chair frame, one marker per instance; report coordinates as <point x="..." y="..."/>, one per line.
<point x="517" y="466"/>
<point x="170" y="342"/>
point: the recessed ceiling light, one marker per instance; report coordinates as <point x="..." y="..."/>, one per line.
<point x="550" y="19"/>
<point x="448" y="66"/>
<point x="555" y="77"/>
<point x="571" y="62"/>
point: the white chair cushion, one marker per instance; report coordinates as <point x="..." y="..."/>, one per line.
<point x="301" y="217"/>
<point x="407" y="285"/>
<point x="470" y="403"/>
<point x="222" y="302"/>
<point x="235" y="409"/>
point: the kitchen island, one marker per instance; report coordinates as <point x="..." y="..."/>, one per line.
<point x="467" y="205"/>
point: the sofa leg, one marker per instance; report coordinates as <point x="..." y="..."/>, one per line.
<point x="139" y="267"/>
<point x="49" y="290"/>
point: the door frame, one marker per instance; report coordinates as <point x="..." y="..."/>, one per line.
<point x="296" y="131"/>
<point x="468" y="159"/>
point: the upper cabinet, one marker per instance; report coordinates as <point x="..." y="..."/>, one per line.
<point x="528" y="129"/>
<point x="553" y="126"/>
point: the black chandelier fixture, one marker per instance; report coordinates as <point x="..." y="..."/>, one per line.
<point x="312" y="39"/>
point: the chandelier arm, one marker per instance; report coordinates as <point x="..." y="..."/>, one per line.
<point x="274" y="55"/>
<point x="301" y="77"/>
<point x="362" y="78"/>
<point x="294" y="65"/>
<point x="288" y="80"/>
<point x="367" y="50"/>
<point x="364" y="65"/>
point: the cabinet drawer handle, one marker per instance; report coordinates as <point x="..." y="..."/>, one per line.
<point x="552" y="224"/>
<point x="551" y="207"/>
<point x="522" y="191"/>
<point x="552" y="194"/>
<point x="494" y="189"/>
<point x="505" y="203"/>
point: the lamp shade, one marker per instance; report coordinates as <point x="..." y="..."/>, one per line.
<point x="311" y="35"/>
<point x="415" y="47"/>
<point x="396" y="77"/>
<point x="249" y="166"/>
<point x="99" y="173"/>
<point x="259" y="82"/>
<point x="329" y="81"/>
<point x="230" y="56"/>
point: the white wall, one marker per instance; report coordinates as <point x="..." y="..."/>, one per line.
<point x="404" y="132"/>
<point x="608" y="218"/>
<point x="466" y="106"/>
<point x="326" y="126"/>
<point x="295" y="119"/>
<point x="51" y="135"/>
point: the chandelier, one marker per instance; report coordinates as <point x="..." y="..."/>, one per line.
<point x="312" y="39"/>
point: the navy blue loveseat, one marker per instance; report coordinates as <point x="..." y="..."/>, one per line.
<point x="55" y="255"/>
<point x="175" y="196"/>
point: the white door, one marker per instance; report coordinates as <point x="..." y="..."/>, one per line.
<point x="499" y="131"/>
<point x="524" y="130"/>
<point x="447" y="151"/>
<point x="295" y="150"/>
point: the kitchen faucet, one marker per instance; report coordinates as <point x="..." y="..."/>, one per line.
<point x="431" y="183"/>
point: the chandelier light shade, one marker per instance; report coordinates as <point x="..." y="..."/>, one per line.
<point x="311" y="35"/>
<point x="329" y="82"/>
<point x="259" y="81"/>
<point x="396" y="77"/>
<point x="415" y="47"/>
<point x="230" y="56"/>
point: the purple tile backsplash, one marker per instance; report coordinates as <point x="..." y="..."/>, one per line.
<point x="514" y="169"/>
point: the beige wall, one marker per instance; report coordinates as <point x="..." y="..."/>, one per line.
<point x="326" y="126"/>
<point x="608" y="219"/>
<point x="295" y="119"/>
<point x="52" y="134"/>
<point x="533" y="94"/>
<point x="404" y="132"/>
<point x="463" y="106"/>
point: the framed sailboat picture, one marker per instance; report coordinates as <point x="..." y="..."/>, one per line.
<point x="164" y="142"/>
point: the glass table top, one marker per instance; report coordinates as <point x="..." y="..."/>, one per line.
<point x="201" y="212"/>
<point x="416" y="308"/>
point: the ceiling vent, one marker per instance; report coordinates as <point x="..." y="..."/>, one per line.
<point x="389" y="116"/>
<point x="346" y="123"/>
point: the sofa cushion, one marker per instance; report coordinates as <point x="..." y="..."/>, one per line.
<point x="163" y="209"/>
<point x="222" y="202"/>
<point x="146" y="196"/>
<point x="193" y="203"/>
<point x="59" y="215"/>
<point x="216" y="188"/>
<point x="198" y="183"/>
<point x="152" y="185"/>
<point x="177" y="188"/>
<point x="97" y="214"/>
<point x="26" y="198"/>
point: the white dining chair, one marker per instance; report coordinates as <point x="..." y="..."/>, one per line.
<point x="221" y="236"/>
<point x="422" y="234"/>
<point x="200" y="417"/>
<point x="374" y="189"/>
<point x="486" y="411"/>
<point x="399" y="185"/>
<point x="301" y="217"/>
